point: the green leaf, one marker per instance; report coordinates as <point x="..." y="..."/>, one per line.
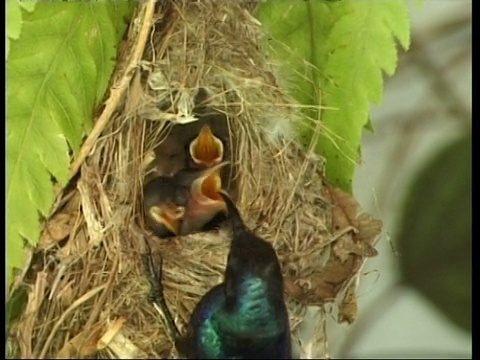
<point x="435" y="233"/>
<point x="14" y="19"/>
<point x="14" y="23"/>
<point x="57" y="72"/>
<point x="15" y="250"/>
<point x="28" y="5"/>
<point x="348" y="44"/>
<point x="369" y="125"/>
<point x="111" y="28"/>
<point x="16" y="305"/>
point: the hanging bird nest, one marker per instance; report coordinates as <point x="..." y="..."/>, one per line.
<point x="86" y="284"/>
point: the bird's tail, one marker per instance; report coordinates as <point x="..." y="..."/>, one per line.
<point x="234" y="216"/>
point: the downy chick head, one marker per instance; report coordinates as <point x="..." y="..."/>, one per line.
<point x="169" y="156"/>
<point x="204" y="202"/>
<point x="163" y="206"/>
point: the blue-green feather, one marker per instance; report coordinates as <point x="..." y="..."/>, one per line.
<point x="254" y="328"/>
<point x="245" y="317"/>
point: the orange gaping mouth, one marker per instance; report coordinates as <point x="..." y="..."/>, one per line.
<point x="211" y="185"/>
<point x="168" y="215"/>
<point x="206" y="148"/>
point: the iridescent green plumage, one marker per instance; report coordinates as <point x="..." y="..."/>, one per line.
<point x="244" y="317"/>
<point x="255" y="328"/>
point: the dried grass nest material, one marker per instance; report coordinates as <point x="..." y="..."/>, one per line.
<point x="87" y="291"/>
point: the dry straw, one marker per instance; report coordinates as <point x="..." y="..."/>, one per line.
<point x="87" y="291"/>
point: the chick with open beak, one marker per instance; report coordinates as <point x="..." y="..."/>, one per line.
<point x="204" y="202"/>
<point x="206" y="150"/>
<point x="163" y="206"/>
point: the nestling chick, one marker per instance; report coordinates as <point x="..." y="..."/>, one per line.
<point x="183" y="203"/>
<point x="163" y="206"/>
<point x="204" y="203"/>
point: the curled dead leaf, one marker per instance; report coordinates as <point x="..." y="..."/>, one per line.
<point x="77" y="245"/>
<point x="348" y="308"/>
<point x="347" y="214"/>
<point x="56" y="229"/>
<point x="325" y="285"/>
<point x="346" y="245"/>
<point x="354" y="234"/>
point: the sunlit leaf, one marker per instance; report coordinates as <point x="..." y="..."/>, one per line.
<point x="57" y="72"/>
<point x="369" y="126"/>
<point x="14" y="23"/>
<point x="28" y="5"/>
<point x="14" y="19"/>
<point x="350" y="44"/>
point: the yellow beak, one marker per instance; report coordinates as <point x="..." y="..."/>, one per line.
<point x="167" y="215"/>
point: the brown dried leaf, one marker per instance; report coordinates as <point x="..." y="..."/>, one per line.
<point x="346" y="245"/>
<point x="57" y="229"/>
<point x="76" y="245"/>
<point x="347" y="213"/>
<point x="354" y="234"/>
<point x="325" y="285"/>
<point x="348" y="308"/>
<point x="368" y="228"/>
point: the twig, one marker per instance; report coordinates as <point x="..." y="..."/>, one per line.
<point x="102" y="298"/>
<point x="303" y="169"/>
<point x="67" y="312"/>
<point x="34" y="302"/>
<point x="117" y="92"/>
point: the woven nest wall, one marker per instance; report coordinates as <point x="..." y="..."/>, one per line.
<point x="87" y="290"/>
